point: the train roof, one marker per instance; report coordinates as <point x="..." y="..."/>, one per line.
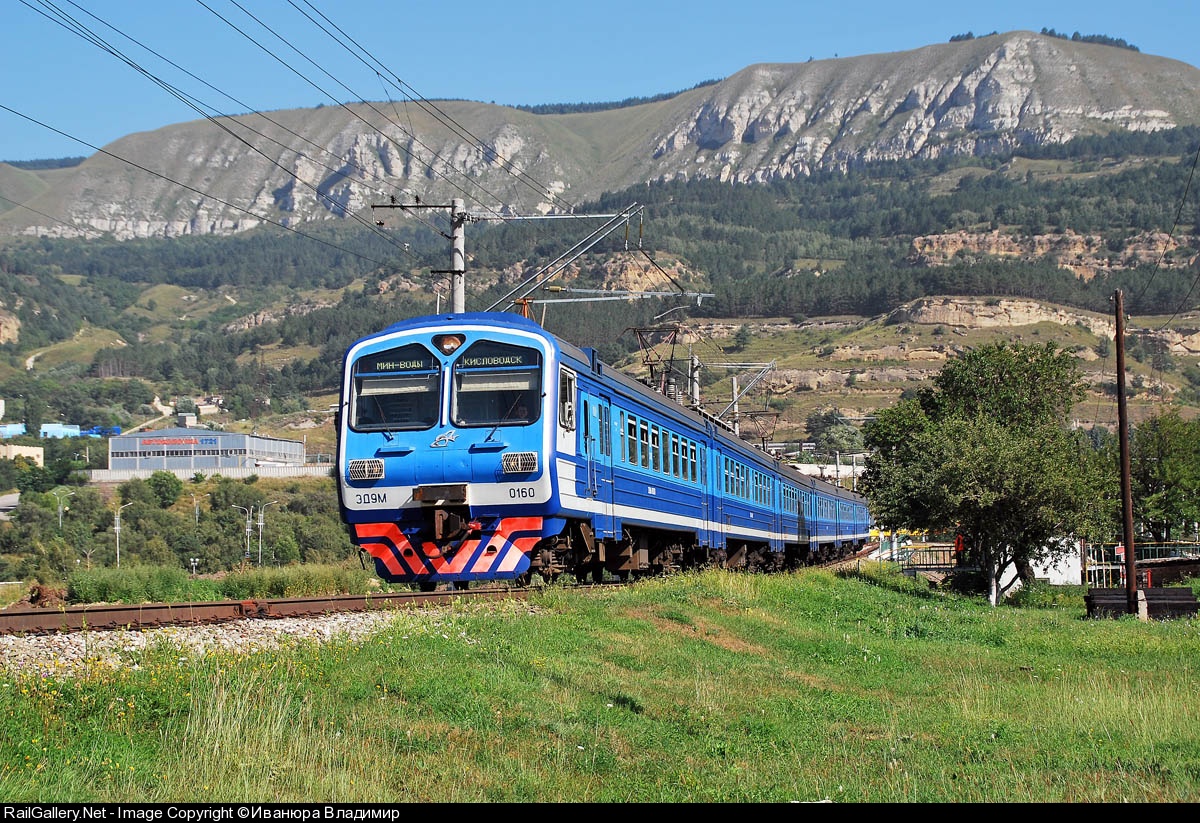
<point x="588" y="357"/>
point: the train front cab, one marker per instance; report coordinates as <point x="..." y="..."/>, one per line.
<point x="442" y="450"/>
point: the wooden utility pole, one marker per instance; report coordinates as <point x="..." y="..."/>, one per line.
<point x="1126" y="482"/>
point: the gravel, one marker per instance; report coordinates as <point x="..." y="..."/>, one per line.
<point x="78" y="653"/>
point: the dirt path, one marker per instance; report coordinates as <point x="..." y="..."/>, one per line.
<point x="163" y="409"/>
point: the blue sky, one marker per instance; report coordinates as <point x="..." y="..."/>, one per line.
<point x="516" y="52"/>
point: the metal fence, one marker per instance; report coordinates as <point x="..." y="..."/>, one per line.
<point x="1106" y="562"/>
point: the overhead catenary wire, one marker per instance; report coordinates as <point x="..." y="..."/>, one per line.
<point x="232" y="119"/>
<point x="192" y="188"/>
<point x="1170" y="235"/>
<point x="547" y="272"/>
<point x="537" y="186"/>
<point x="346" y="107"/>
<point x="74" y="226"/>
<point x="84" y="32"/>
<point x="229" y="123"/>
<point x="1155" y="370"/>
<point x="87" y="34"/>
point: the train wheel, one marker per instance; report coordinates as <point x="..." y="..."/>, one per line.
<point x="462" y="585"/>
<point x="523" y="580"/>
<point x="427" y="585"/>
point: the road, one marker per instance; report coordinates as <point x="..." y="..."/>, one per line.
<point x="164" y="411"/>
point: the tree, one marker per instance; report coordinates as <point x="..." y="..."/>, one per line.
<point x="828" y="429"/>
<point x="1164" y="464"/>
<point x="987" y="450"/>
<point x="821" y="420"/>
<point x="34" y="478"/>
<point x="843" y="438"/>
<point x="166" y="487"/>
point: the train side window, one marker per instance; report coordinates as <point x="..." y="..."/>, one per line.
<point x="655" y="450"/>
<point x="566" y="400"/>
<point x="644" y="428"/>
<point x="632" y="430"/>
<point x="605" y="431"/>
<point x="621" y="429"/>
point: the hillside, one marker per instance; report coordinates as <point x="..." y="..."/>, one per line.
<point x="859" y="364"/>
<point x="852" y="222"/>
<point x="766" y="123"/>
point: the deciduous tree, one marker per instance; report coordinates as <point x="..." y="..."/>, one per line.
<point x="1164" y="461"/>
<point x="987" y="450"/>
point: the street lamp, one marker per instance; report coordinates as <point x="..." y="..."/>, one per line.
<point x="196" y="506"/>
<point x="194" y="561"/>
<point x="56" y="493"/>
<point x="261" y="509"/>
<point x="249" y="513"/>
<point x="117" y="529"/>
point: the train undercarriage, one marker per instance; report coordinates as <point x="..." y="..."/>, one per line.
<point x="647" y="551"/>
<point x="640" y="552"/>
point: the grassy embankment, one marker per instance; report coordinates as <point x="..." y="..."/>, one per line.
<point x="706" y="687"/>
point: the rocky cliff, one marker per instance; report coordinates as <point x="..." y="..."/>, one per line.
<point x="1085" y="255"/>
<point x="767" y="122"/>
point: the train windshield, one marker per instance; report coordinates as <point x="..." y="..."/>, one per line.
<point x="396" y="389"/>
<point x="496" y="384"/>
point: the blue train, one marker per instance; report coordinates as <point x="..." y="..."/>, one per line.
<point x="480" y="447"/>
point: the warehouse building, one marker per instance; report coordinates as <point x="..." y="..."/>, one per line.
<point x="34" y="454"/>
<point x="59" y="430"/>
<point x="187" y="450"/>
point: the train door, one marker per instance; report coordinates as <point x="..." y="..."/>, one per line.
<point x="804" y="512"/>
<point x="778" y="538"/>
<point x="718" y="488"/>
<point x="814" y="519"/>
<point x="596" y="453"/>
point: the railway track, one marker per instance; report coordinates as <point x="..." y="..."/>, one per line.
<point x="34" y="621"/>
<point x="139" y="616"/>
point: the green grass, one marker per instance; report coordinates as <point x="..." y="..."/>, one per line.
<point x="709" y="687"/>
<point x="11" y="591"/>
<point x="162" y="584"/>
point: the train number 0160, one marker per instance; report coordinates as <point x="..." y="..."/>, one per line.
<point x="522" y="492"/>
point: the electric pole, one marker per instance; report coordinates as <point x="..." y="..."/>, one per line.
<point x="458" y="246"/>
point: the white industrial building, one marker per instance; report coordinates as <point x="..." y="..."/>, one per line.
<point x="186" y="451"/>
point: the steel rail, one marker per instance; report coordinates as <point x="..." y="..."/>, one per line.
<point x="154" y="615"/>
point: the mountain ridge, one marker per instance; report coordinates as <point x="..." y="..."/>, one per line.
<point x="767" y="122"/>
